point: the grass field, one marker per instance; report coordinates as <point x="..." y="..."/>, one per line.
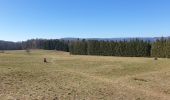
<point x="68" y="77"/>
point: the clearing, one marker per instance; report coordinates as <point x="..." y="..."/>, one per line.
<point x="25" y="76"/>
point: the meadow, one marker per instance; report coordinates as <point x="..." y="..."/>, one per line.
<point x="24" y="76"/>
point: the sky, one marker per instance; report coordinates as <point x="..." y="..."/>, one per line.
<point x="52" y="19"/>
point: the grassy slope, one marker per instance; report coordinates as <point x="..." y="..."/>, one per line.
<point x="25" y="76"/>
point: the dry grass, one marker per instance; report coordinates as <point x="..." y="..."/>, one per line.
<point x="24" y="76"/>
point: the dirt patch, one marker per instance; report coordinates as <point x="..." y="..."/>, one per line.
<point x="140" y="79"/>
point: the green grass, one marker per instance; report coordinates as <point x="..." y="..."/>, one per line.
<point x="68" y="77"/>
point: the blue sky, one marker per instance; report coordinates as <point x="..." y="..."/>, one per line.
<point x="26" y="19"/>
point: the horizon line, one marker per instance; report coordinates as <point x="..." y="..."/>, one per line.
<point x="87" y="38"/>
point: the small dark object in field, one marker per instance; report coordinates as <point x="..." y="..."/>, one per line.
<point x="155" y="58"/>
<point x="138" y="99"/>
<point x="45" y="60"/>
<point x="56" y="98"/>
<point x="69" y="93"/>
<point x="140" y="79"/>
<point x="28" y="51"/>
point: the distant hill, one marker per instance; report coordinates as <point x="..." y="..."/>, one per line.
<point x="151" y="39"/>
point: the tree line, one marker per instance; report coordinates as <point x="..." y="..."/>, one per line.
<point x="47" y="44"/>
<point x="161" y="48"/>
<point x="131" y="48"/>
<point x="6" y="45"/>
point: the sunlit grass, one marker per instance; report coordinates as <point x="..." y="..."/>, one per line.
<point x="26" y="76"/>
